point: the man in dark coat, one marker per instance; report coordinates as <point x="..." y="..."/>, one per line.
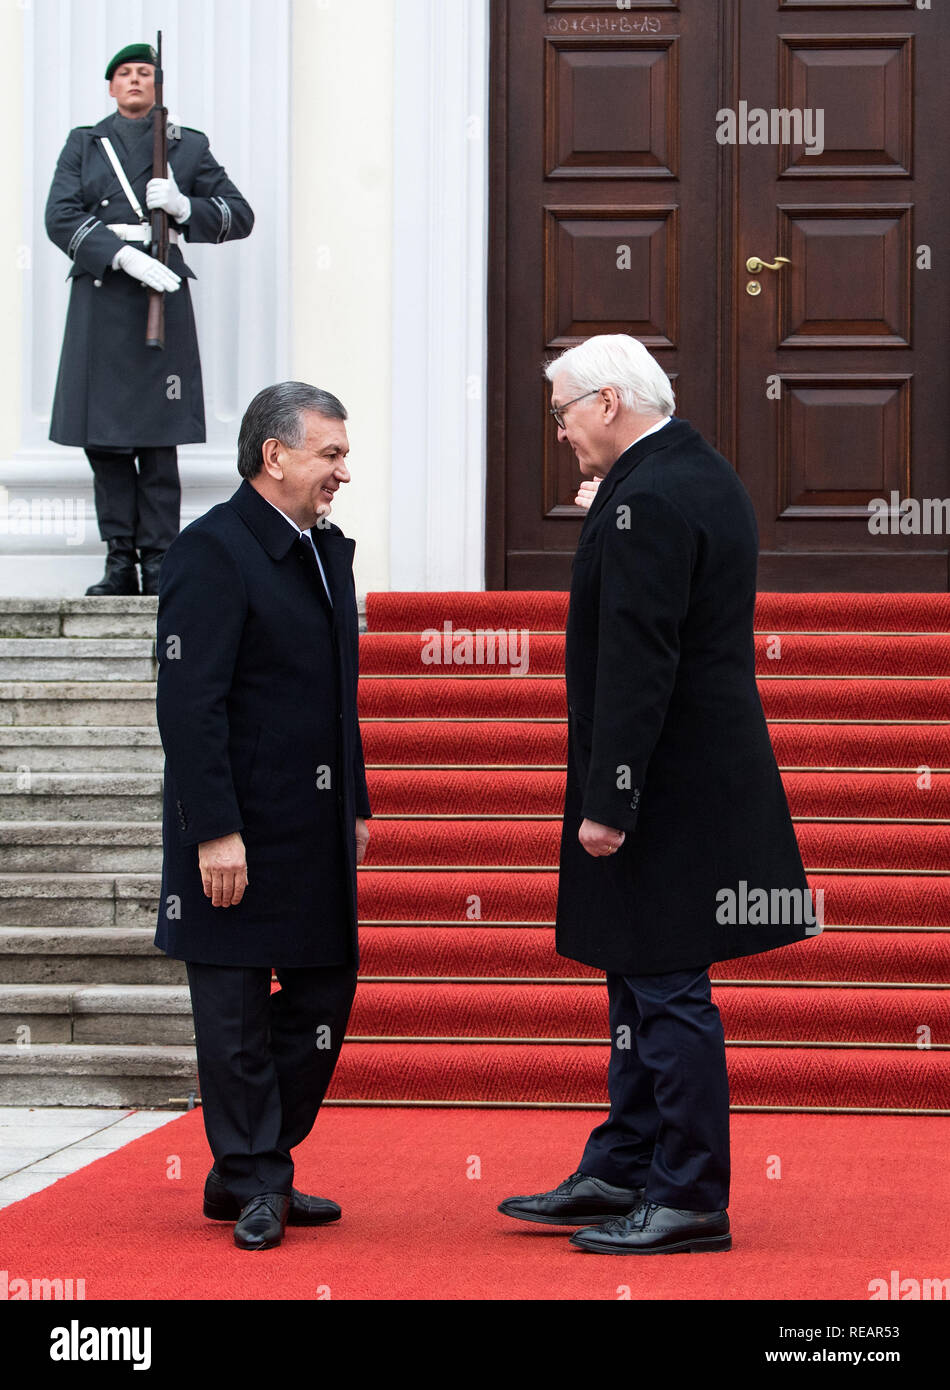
<point x="265" y="800"/>
<point x="116" y="398"/>
<point x="678" y="848"/>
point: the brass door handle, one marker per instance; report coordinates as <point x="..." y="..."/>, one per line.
<point x="755" y="263"/>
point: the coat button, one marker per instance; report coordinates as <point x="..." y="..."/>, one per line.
<point x="104" y="203"/>
<point x="98" y="284"/>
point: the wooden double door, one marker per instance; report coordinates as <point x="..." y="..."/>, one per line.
<point x="639" y="158"/>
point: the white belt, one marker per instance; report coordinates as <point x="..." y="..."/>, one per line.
<point x="136" y="231"/>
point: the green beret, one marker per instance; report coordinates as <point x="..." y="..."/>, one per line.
<point x="132" y="53"/>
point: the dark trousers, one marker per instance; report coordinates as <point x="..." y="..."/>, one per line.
<point x="144" y="504"/>
<point x="668" y="1127"/>
<point x="264" y="1064"/>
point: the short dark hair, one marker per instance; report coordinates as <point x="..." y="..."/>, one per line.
<point x="275" y="413"/>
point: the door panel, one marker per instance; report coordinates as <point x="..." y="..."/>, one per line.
<point x="841" y="362"/>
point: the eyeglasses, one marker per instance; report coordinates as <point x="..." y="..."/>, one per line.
<point x="558" y="411"/>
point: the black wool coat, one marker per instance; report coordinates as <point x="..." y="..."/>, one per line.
<point x="667" y="739"/>
<point x="257" y="713"/>
<point x="112" y="391"/>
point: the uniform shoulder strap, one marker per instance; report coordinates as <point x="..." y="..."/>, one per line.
<point x="121" y="176"/>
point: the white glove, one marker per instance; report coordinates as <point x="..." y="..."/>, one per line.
<point x="165" y="194"/>
<point x="146" y="268"/>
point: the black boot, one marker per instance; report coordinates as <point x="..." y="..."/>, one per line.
<point x="120" y="576"/>
<point x="151" y="562"/>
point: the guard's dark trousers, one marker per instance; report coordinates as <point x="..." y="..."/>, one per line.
<point x="264" y="1063"/>
<point x="668" y="1126"/>
<point x="141" y="504"/>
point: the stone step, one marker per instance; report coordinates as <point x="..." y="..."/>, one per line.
<point x="133" y="616"/>
<point x="96" y="847"/>
<point x="80" y="796"/>
<point x="108" y="1075"/>
<point x="79" y="900"/>
<point x="85" y="955"/>
<point x="45" y="748"/>
<point x="77" y="658"/>
<point x="77" y="702"/>
<point x="104" y="1013"/>
<point x="78" y="617"/>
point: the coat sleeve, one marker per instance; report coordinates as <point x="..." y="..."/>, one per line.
<point x="202" y="608"/>
<point x="219" y="212"/>
<point x="360" y="790"/>
<point x="79" y="233"/>
<point x="359" y="778"/>
<point x="644" y="596"/>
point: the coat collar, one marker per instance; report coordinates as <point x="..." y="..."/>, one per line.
<point x="277" y="537"/>
<point x="671" y="435"/>
<point x="107" y="125"/>
<point x="135" y="165"/>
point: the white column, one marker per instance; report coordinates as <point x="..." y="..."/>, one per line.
<point x="227" y="72"/>
<point x="440" y="259"/>
<point x="341" y="246"/>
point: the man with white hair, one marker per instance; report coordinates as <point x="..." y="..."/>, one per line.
<point x="674" y="800"/>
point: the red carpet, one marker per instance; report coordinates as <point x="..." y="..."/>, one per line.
<point x="857" y="1198"/>
<point x="547" y="612"/>
<point x="463" y="1003"/>
<point x="472" y="1044"/>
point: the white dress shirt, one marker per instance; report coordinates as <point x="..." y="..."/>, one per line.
<point x="653" y="429"/>
<point x="309" y="537"/>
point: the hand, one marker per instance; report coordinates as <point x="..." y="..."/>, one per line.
<point x="147" y="269"/>
<point x="223" y="866"/>
<point x="362" y="839"/>
<point x="586" y="493"/>
<point x="165" y="194"/>
<point x="600" y="840"/>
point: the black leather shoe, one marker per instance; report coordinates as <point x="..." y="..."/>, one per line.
<point x="656" y="1230"/>
<point x="151" y="563"/>
<point x="121" y="576"/>
<point x="577" y="1200"/>
<point x="219" y="1205"/>
<point x="261" y="1223"/>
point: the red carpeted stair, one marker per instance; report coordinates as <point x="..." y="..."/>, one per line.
<point x="463" y="999"/>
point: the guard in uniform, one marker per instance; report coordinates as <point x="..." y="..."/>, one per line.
<point x="117" y="399"/>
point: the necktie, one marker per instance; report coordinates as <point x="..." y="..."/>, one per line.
<point x="308" y="558"/>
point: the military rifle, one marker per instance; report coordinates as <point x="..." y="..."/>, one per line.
<point x="155" y="330"/>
